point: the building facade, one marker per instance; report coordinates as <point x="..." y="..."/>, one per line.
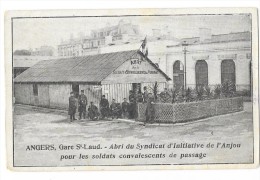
<point x="124" y="32"/>
<point x="49" y="83"/>
<point x="211" y="61"/>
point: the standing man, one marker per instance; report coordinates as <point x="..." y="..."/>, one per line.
<point x="150" y="110"/>
<point x="83" y="102"/>
<point x="125" y="108"/>
<point x="72" y="106"/>
<point x="104" y="107"/>
<point x="145" y="94"/>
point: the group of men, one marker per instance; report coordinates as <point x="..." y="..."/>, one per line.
<point x="126" y="110"/>
<point x="81" y="103"/>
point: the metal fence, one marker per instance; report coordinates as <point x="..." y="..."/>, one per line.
<point x="181" y="112"/>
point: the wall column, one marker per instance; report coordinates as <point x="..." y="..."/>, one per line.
<point x="214" y="72"/>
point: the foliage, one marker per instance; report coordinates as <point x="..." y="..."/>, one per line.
<point x="22" y="52"/>
<point x="225" y="90"/>
<point x="208" y="92"/>
<point x="155" y="90"/>
<point x="188" y="95"/>
<point x="200" y="93"/>
<point x="228" y="89"/>
<point x="217" y="91"/>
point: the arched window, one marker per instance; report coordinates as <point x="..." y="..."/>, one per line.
<point x="228" y="71"/>
<point x="178" y="74"/>
<point x="201" y="73"/>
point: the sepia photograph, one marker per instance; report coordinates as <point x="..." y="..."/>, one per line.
<point x="133" y="89"/>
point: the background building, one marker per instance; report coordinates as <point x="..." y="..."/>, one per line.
<point x="211" y="60"/>
<point x="22" y="62"/>
<point x="125" y="31"/>
<point x="43" y="51"/>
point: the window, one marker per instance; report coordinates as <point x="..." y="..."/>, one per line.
<point x="178" y="74"/>
<point x="228" y="71"/>
<point x="201" y="73"/>
<point x="35" y="89"/>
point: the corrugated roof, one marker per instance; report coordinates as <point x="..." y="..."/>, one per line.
<point x="78" y="69"/>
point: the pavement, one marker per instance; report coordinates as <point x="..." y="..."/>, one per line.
<point x="34" y="126"/>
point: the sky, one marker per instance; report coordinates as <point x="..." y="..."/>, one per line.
<point x="35" y="32"/>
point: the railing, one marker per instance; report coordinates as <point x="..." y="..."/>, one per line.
<point x="182" y="112"/>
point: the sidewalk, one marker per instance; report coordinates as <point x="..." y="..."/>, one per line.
<point x="247" y="108"/>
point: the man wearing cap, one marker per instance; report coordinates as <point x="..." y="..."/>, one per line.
<point x="83" y="102"/>
<point x="72" y="106"/>
<point x="150" y="109"/>
<point x="104" y="107"/>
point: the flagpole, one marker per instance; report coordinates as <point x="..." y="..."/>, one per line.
<point x="143" y="41"/>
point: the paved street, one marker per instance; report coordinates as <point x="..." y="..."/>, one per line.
<point x="33" y="127"/>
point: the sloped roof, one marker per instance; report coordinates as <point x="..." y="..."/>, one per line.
<point x="91" y="69"/>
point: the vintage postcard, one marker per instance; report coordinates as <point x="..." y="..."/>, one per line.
<point x="132" y="89"/>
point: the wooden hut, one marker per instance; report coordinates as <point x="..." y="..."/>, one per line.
<point x="49" y="83"/>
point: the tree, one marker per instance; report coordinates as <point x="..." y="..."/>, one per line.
<point x="22" y="52"/>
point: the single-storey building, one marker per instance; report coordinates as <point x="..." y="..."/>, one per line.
<point x="49" y="83"/>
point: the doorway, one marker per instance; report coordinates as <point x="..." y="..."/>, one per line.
<point x="136" y="87"/>
<point x="75" y="89"/>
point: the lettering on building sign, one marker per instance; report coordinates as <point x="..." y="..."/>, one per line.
<point x="135" y="72"/>
<point x="96" y="88"/>
<point x="135" y="63"/>
<point x="227" y="56"/>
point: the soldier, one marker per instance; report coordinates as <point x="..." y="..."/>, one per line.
<point x="104" y="107"/>
<point x="131" y="95"/>
<point x="132" y="109"/>
<point x="125" y="108"/>
<point x="72" y="106"/>
<point x="83" y="102"/>
<point x="150" y="110"/>
<point x="93" y="111"/>
<point x="115" y="109"/>
<point x="145" y="94"/>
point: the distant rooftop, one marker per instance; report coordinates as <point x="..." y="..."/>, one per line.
<point x="233" y="36"/>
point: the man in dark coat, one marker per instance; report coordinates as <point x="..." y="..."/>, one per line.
<point x="72" y="106"/>
<point x="104" y="107"/>
<point x="145" y="94"/>
<point x="131" y="95"/>
<point x="125" y="108"/>
<point x="150" y="110"/>
<point x="93" y="111"/>
<point x="115" y="109"/>
<point x="132" y="109"/>
<point x="82" y="104"/>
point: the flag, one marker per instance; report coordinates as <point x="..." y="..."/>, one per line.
<point x="144" y="48"/>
